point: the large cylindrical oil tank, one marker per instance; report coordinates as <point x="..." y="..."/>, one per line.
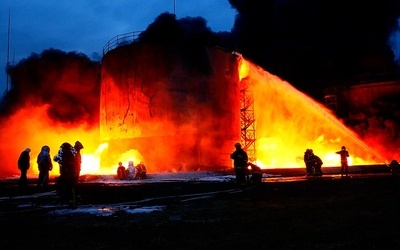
<point x="363" y="95"/>
<point x="177" y="105"/>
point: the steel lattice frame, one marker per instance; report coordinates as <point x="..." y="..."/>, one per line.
<point x="247" y="120"/>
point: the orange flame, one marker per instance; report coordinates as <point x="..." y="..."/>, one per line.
<point x="287" y="123"/>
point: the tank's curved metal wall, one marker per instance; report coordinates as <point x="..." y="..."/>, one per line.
<point x="177" y="105"/>
<point x="363" y="95"/>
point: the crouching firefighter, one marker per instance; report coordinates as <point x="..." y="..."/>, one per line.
<point x="140" y="171"/>
<point x="256" y="174"/>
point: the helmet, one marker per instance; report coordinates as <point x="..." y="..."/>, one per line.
<point x="78" y="145"/>
<point x="343" y="147"/>
<point x="45" y="148"/>
<point x="238" y="145"/>
<point x="66" y="145"/>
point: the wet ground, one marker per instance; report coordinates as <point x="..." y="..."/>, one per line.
<point x="203" y="210"/>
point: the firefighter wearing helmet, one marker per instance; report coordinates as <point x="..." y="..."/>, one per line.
<point x="307" y="161"/>
<point x="78" y="159"/>
<point x="240" y="159"/>
<point x="344" y="154"/>
<point x="67" y="180"/>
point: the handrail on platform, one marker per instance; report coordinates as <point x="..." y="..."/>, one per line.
<point x="120" y="40"/>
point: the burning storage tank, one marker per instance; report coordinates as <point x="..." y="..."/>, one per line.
<point x="176" y="106"/>
<point x="371" y="108"/>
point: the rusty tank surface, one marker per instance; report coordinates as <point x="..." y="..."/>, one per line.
<point x="177" y="106"/>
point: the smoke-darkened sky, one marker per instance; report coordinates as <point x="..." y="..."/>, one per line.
<point x="312" y="42"/>
<point x="306" y="42"/>
<point x="85" y="26"/>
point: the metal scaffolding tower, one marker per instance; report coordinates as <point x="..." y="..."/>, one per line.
<point x="247" y="120"/>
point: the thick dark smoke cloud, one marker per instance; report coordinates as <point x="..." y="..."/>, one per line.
<point x="310" y="43"/>
<point x="68" y="82"/>
<point x="189" y="30"/>
<point x="54" y="97"/>
<point x="314" y="44"/>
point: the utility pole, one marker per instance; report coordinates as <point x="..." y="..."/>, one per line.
<point x="8" y="49"/>
<point x="175" y="8"/>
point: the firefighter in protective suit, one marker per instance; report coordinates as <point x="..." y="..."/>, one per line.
<point x="78" y="158"/>
<point x="307" y="161"/>
<point x="130" y="172"/>
<point x="121" y="171"/>
<point x="394" y="167"/>
<point x="240" y="159"/>
<point x="256" y="174"/>
<point x="67" y="180"/>
<point x="344" y="154"/>
<point x="316" y="164"/>
<point x="140" y="171"/>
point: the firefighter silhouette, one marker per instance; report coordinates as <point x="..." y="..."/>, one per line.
<point x="313" y="163"/>
<point x="78" y="158"/>
<point x="394" y="167"/>
<point x="240" y="158"/>
<point x="44" y="165"/>
<point x="344" y="154"/>
<point x="256" y="174"/>
<point x="307" y="161"/>
<point x="140" y="171"/>
<point x="121" y="171"/>
<point x="130" y="172"/>
<point x="67" y="180"/>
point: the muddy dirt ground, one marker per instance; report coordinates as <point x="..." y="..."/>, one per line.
<point x="361" y="212"/>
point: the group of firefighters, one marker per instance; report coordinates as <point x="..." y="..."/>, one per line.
<point x="133" y="172"/>
<point x="313" y="163"/>
<point x="69" y="159"/>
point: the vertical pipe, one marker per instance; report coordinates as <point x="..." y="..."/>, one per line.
<point x="175" y="8"/>
<point x="8" y="49"/>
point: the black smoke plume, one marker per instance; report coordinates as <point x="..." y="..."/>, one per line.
<point x="314" y="44"/>
<point x="69" y="83"/>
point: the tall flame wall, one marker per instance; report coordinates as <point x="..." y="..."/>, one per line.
<point x="177" y="105"/>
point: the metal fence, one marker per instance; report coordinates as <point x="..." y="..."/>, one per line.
<point x="120" y="40"/>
